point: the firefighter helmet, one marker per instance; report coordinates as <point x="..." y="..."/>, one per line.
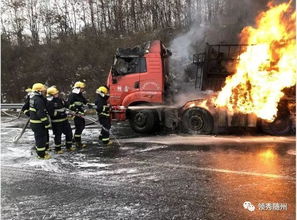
<point x="38" y="87"/>
<point x="52" y="90"/>
<point x="79" y="84"/>
<point x="28" y="90"/>
<point x="102" y="90"/>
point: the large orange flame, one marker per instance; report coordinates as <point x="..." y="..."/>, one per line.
<point x="265" y="68"/>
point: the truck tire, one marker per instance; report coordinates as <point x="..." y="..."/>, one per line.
<point x="143" y="121"/>
<point x="280" y="126"/>
<point x="197" y="120"/>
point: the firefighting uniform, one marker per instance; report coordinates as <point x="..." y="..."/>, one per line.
<point x="77" y="103"/>
<point x="104" y="117"/>
<point x="39" y="122"/>
<point x="26" y="110"/>
<point x="60" y="125"/>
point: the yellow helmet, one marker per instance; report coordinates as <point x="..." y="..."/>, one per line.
<point x="38" y="87"/>
<point x="102" y="90"/>
<point x="28" y="90"/>
<point x="52" y="90"/>
<point x="79" y="84"/>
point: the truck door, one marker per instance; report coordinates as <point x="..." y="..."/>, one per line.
<point x="125" y="78"/>
<point x="152" y="81"/>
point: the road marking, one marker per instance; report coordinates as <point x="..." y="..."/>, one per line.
<point x="209" y="139"/>
<point x="268" y="175"/>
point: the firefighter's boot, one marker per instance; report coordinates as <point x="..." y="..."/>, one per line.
<point x="46" y="156"/>
<point x="58" y="150"/>
<point x="70" y="149"/>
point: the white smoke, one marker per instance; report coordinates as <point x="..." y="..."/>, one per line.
<point x="224" y="27"/>
<point x="182" y="47"/>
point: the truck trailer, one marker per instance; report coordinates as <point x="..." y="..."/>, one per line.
<point x="144" y="91"/>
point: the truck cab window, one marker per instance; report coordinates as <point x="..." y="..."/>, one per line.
<point x="129" y="65"/>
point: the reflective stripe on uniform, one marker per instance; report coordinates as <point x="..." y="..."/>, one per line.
<point x="105" y="114"/>
<point x="40" y="148"/>
<point x="105" y="128"/>
<point x="77" y="103"/>
<point x="77" y="135"/>
<point x="26" y="111"/>
<point x="58" y="145"/>
<point x="59" y="110"/>
<point x="35" y="121"/>
<point x="32" y="109"/>
<point x="105" y="139"/>
<point x="59" y="120"/>
<point x="44" y="119"/>
<point x="47" y="126"/>
<point x="68" y="142"/>
<point x="104" y="106"/>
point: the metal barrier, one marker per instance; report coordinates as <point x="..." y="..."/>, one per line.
<point x="7" y="106"/>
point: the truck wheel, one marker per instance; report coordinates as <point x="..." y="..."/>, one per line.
<point x="143" y="121"/>
<point x="197" y="121"/>
<point x="280" y="126"/>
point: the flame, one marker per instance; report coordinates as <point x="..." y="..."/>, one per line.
<point x="203" y="104"/>
<point x="266" y="67"/>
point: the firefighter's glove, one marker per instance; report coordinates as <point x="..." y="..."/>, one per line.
<point x="27" y="113"/>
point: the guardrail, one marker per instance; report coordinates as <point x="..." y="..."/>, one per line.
<point x="11" y="105"/>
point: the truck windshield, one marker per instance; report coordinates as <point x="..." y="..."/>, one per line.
<point x="129" y="65"/>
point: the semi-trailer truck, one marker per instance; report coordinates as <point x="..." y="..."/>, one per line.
<point x="144" y="91"/>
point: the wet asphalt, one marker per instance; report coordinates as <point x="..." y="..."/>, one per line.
<point x="162" y="176"/>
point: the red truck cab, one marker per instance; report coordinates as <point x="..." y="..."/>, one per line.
<point x="138" y="77"/>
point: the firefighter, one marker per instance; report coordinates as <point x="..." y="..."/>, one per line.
<point x="103" y="110"/>
<point x="26" y="106"/>
<point x="76" y="103"/>
<point x="57" y="110"/>
<point x="39" y="121"/>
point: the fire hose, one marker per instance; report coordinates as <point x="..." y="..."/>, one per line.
<point x="18" y="137"/>
<point x="95" y="122"/>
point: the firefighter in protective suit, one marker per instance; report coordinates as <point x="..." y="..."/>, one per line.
<point x="39" y="121"/>
<point x="57" y="110"/>
<point x="76" y="103"/>
<point x="103" y="110"/>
